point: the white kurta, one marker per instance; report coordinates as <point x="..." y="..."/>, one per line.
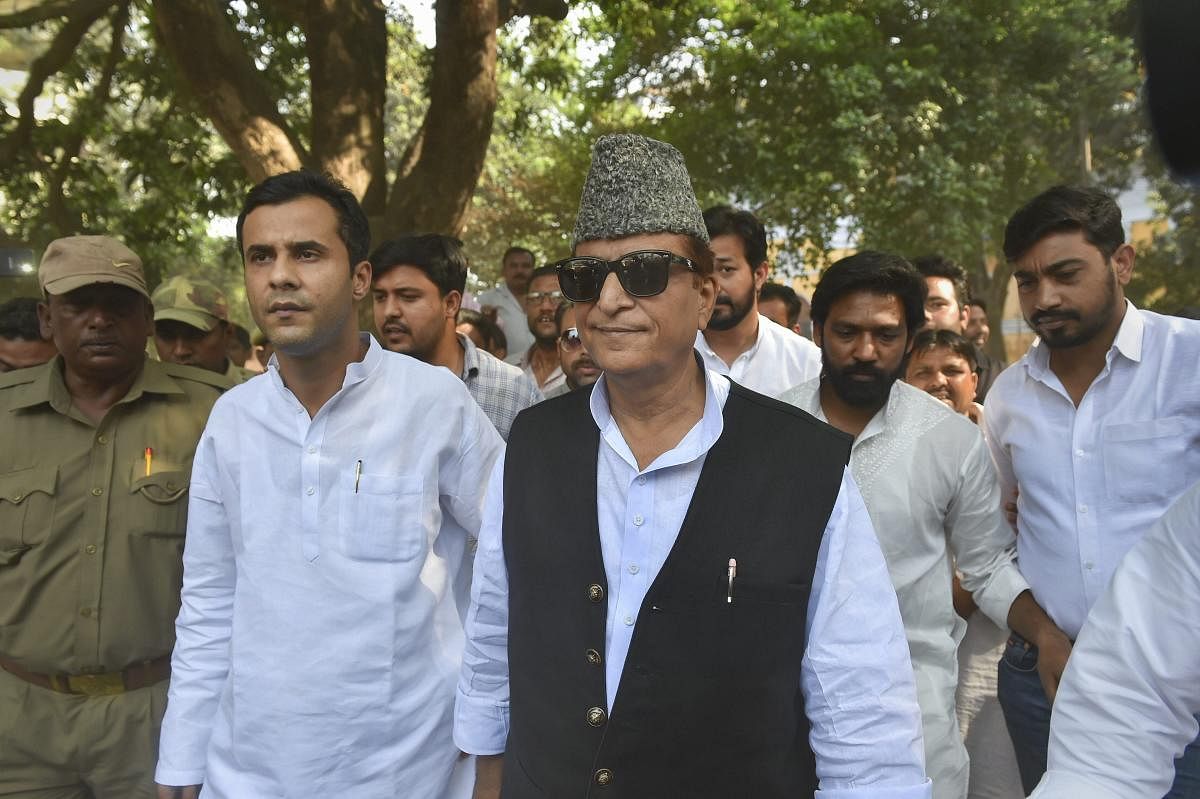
<point x="326" y="575"/>
<point x="931" y="490"/>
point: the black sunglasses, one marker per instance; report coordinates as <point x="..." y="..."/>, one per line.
<point x="570" y="340"/>
<point x="643" y="273"/>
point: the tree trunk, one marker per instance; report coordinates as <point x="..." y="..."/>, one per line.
<point x="438" y="173"/>
<point x="346" y="41"/>
<point x="212" y="58"/>
<point x="993" y="289"/>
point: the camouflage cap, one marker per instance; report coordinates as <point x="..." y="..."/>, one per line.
<point x="637" y="185"/>
<point x="77" y="261"/>
<point x="194" y="302"/>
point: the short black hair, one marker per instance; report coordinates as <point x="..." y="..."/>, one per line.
<point x="440" y="257"/>
<point x="543" y="271"/>
<point x="875" y="272"/>
<point x="791" y="301"/>
<point x="941" y="266"/>
<point x="932" y="339"/>
<point x="721" y="220"/>
<point x="1064" y="209"/>
<point x="19" y="319"/>
<point x="978" y="303"/>
<point x="353" y="228"/>
<point x="561" y="311"/>
<point x="515" y="249"/>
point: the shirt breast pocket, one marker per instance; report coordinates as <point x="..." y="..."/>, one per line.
<point x="384" y="518"/>
<point x="26" y="510"/>
<point x="160" y="507"/>
<point x="1143" y="461"/>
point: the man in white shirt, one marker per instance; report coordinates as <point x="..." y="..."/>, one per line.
<point x="1129" y="698"/>
<point x="1098" y="426"/>
<point x="507" y="301"/>
<point x="739" y="341"/>
<point x="333" y="501"/>
<point x="541" y="361"/>
<point x="417" y="284"/>
<point x="676" y="644"/>
<point x="927" y="480"/>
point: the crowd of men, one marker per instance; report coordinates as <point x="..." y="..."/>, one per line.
<point x="635" y="523"/>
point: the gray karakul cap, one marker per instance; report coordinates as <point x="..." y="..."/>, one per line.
<point x="637" y="185"/>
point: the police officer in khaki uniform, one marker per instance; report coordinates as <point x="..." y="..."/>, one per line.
<point x="94" y="467"/>
<point x="192" y="328"/>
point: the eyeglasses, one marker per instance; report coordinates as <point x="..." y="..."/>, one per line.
<point x="538" y="297"/>
<point x="643" y="273"/>
<point x="569" y="339"/>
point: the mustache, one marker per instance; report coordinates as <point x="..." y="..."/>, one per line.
<point x="1052" y="316"/>
<point x="723" y="299"/>
<point x="865" y="370"/>
<point x="391" y="325"/>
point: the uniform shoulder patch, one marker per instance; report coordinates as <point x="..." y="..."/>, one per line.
<point x="198" y="375"/>
<point x="20" y="377"/>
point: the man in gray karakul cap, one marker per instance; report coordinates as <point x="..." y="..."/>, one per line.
<point x="677" y="591"/>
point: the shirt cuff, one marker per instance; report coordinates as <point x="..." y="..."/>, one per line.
<point x="1065" y="785"/>
<point x="922" y="791"/>
<point x="170" y="777"/>
<point x="480" y="725"/>
<point x="1002" y="590"/>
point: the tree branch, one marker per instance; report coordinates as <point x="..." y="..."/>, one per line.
<point x="57" y="55"/>
<point x="58" y="210"/>
<point x="347" y="64"/>
<point x="53" y="9"/>
<point x="440" y="168"/>
<point x="228" y="85"/>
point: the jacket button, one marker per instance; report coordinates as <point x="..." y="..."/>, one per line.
<point x="603" y="777"/>
<point x="596" y="716"/>
<point x="593" y="657"/>
<point x="595" y="592"/>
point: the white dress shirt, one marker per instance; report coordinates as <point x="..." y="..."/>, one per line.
<point x="856" y="677"/>
<point x="779" y="359"/>
<point x="931" y="490"/>
<point x="512" y="320"/>
<point x="325" y="581"/>
<point x="1128" y="701"/>
<point x="1093" y="479"/>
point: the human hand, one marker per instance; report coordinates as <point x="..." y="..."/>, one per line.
<point x="1010" y="508"/>
<point x="1053" y="651"/>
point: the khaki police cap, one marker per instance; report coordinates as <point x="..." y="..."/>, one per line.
<point x="194" y="302"/>
<point x="78" y="261"/>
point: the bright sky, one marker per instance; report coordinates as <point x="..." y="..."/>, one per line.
<point x="421" y="12"/>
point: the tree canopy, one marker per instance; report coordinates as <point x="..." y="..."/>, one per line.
<point x="913" y="125"/>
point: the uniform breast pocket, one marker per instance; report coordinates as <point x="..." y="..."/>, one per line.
<point x="1143" y="460"/>
<point x="160" y="503"/>
<point x="384" y="518"/>
<point x="26" y="510"/>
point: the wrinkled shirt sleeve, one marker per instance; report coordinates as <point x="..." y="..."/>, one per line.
<point x="984" y="546"/>
<point x="860" y="694"/>
<point x="481" y="720"/>
<point x="200" y="663"/>
<point x="1130" y="695"/>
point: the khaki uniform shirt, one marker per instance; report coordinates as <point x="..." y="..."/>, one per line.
<point x="91" y="530"/>
<point x="238" y="374"/>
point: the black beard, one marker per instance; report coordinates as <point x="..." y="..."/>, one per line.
<point x="736" y="313"/>
<point x="861" y="394"/>
<point x="1089" y="326"/>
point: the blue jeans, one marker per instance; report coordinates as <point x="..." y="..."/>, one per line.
<point x="1027" y="716"/>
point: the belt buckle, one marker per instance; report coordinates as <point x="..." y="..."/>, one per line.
<point x="96" y="684"/>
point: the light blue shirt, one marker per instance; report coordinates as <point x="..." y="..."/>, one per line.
<point x="857" y="680"/>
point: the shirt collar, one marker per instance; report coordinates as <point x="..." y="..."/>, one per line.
<point x="470" y="357"/>
<point x="750" y="353"/>
<point x="1127" y="342"/>
<point x="50" y="388"/>
<point x="698" y="441"/>
<point x="356" y="371"/>
<point x="807" y="397"/>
